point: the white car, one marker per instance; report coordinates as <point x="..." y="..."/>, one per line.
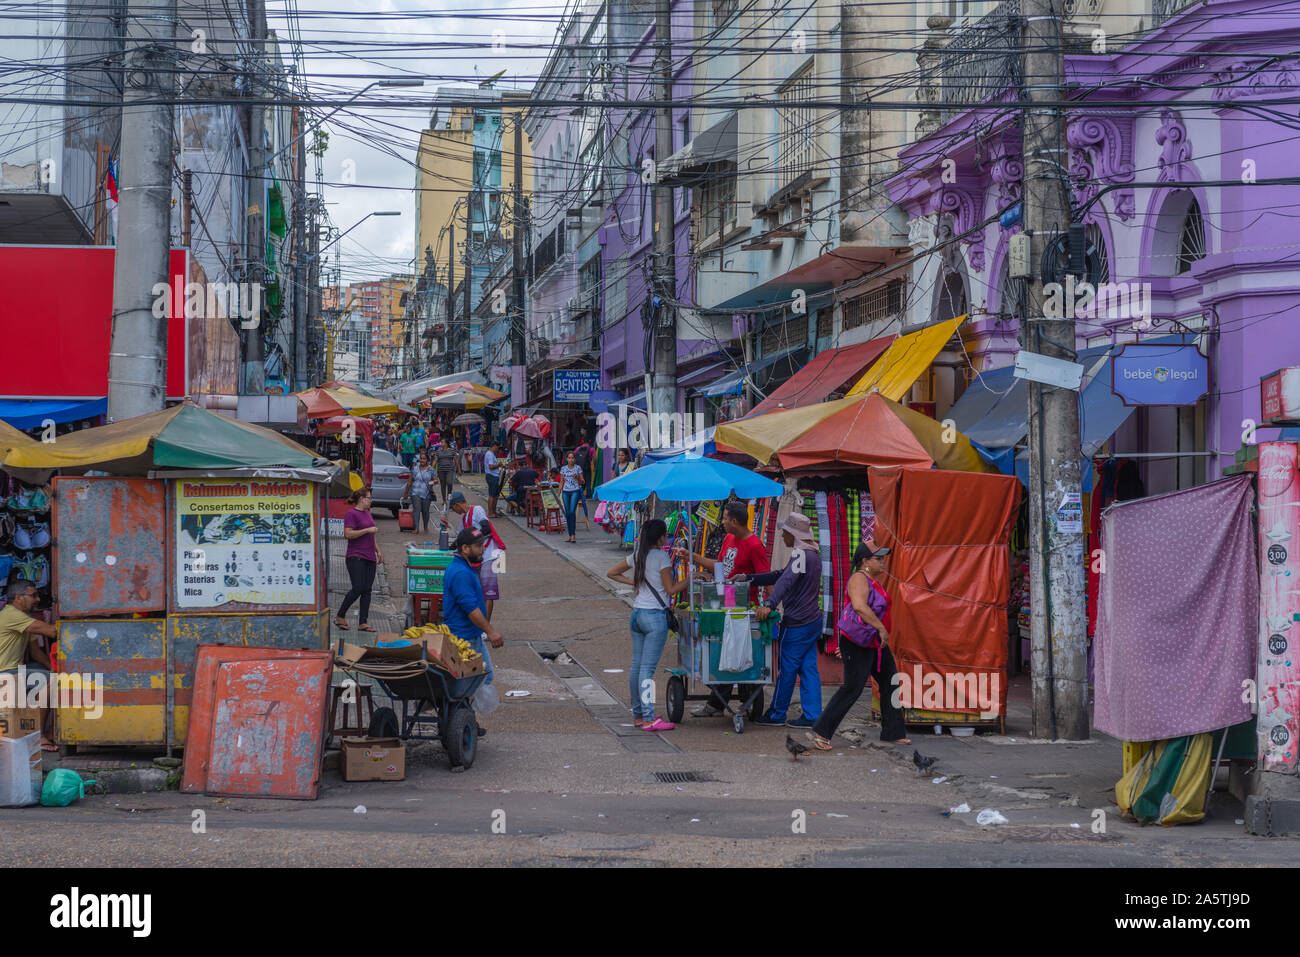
<point x="388" y="480"/>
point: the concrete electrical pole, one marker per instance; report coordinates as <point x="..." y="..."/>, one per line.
<point x="664" y="382"/>
<point x="137" y="359"/>
<point x="1059" y="637"/>
<point x="517" y="257"/>
<point x="301" y="293"/>
<point x="451" y="283"/>
<point x="254" y="380"/>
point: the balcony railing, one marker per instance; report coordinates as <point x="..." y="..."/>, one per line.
<point x="982" y="60"/>
<point x="1162" y="10"/>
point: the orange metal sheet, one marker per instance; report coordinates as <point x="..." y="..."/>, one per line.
<point x="109" y="545"/>
<point x="257" y="724"/>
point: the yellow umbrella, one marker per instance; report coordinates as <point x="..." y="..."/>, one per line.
<point x="464" y="399"/>
<point x="906" y="358"/>
<point x="764" y="435"/>
<point x="359" y="404"/>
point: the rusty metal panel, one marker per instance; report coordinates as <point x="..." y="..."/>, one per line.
<point x="257" y="725"/>
<point x="109" y="536"/>
<point x="286" y="631"/>
<point x="126" y="658"/>
<point x="188" y="632"/>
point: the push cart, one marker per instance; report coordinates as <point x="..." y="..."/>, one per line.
<point x="428" y="705"/>
<point x="699" y="649"/>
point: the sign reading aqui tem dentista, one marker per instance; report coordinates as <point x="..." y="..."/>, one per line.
<point x="575" y="385"/>
<point x="248" y="541"/>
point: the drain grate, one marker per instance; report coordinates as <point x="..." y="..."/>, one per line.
<point x="681" y="777"/>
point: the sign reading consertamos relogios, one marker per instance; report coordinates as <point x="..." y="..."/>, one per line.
<point x="1159" y="374"/>
<point x="576" y="385"/>
<point x="244" y="542"/>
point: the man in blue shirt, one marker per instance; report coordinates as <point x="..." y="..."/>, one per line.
<point x="464" y="609"/>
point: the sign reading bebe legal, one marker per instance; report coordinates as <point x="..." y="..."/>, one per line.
<point x="244" y="541"/>
<point x="1164" y="374"/>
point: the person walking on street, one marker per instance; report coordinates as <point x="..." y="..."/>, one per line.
<point x="652" y="578"/>
<point x="448" y="462"/>
<point x="573" y="478"/>
<point x="363" y="557"/>
<point x="584" y="460"/>
<point x="492" y="469"/>
<point x="864" y="628"/>
<point x="406" y="442"/>
<point x="463" y="609"/>
<point x="419" y="489"/>
<point x="622" y="463"/>
<point x="477" y="517"/>
<point x="798" y="586"/>
<point x="421" y="437"/>
<point x="742" y="553"/>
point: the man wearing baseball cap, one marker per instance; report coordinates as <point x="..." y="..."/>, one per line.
<point x="475" y="516"/>
<point x="798" y="586"/>
<point x="463" y="608"/>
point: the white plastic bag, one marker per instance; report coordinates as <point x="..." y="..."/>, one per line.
<point x="486" y="700"/>
<point x="20" y="770"/>
<point x="737" y="652"/>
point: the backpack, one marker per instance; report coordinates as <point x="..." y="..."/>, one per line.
<point x="582" y="455"/>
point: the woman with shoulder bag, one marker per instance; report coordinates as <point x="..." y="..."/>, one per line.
<point x="652" y="577"/>
<point x="864" y="631"/>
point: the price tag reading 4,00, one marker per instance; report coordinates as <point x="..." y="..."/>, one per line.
<point x="244" y="541"/>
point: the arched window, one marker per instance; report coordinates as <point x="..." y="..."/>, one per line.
<point x="1191" y="242"/>
<point x="952" y="297"/>
<point x="1096" y="262"/>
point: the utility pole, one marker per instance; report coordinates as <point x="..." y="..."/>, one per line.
<point x="314" y="328"/>
<point x="468" y="288"/>
<point x="451" y="283"/>
<point x="1059" y="631"/>
<point x="517" y="264"/>
<point x="301" y="329"/>
<point x="137" y="360"/>
<point x="255" y="223"/>
<point x="664" y="383"/>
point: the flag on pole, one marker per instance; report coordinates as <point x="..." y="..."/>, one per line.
<point x="110" y="187"/>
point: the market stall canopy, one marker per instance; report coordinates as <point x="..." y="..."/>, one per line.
<point x="905" y="359"/>
<point x="463" y="386"/>
<point x="733" y="382"/>
<point x="464" y="399"/>
<point x="319" y="404"/>
<point x="701" y="443"/>
<point x="852" y="432"/>
<point x="182" y="437"/>
<point x="419" y="388"/>
<point x="34" y="413"/>
<point x="469" y="418"/>
<point x="830" y="371"/>
<point x="688" y="478"/>
<point x="11" y="438"/>
<point x="351" y="386"/>
<point x="358" y="404"/>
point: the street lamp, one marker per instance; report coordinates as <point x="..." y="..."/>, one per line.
<point x="344" y="104"/>
<point x="382" y="212"/>
<point x="332" y="332"/>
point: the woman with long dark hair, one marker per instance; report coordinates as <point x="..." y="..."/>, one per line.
<point x="864" y="645"/>
<point x="652" y="578"/>
<point x="363" y="557"/>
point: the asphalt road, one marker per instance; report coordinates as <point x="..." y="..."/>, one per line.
<point x="563" y="779"/>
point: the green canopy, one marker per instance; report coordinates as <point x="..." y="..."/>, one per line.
<point x="198" y="439"/>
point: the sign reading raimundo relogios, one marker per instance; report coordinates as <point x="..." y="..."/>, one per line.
<point x="244" y="541"/>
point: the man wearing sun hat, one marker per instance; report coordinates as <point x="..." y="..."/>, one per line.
<point x="798" y="586"/>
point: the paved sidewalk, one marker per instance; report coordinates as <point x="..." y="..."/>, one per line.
<point x="1041" y="781"/>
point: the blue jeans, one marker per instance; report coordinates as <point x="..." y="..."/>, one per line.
<point x="798" y="659"/>
<point x="479" y="644"/>
<point x="571" y="511"/>
<point x="649" y="635"/>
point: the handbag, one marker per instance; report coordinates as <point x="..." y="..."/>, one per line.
<point x="673" y="623"/>
<point x="852" y="627"/>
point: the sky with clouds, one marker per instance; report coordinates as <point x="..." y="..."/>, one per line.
<point x="369" y="164"/>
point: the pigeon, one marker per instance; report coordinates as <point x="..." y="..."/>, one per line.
<point x="794" y="747"/>
<point x="923" y="764"/>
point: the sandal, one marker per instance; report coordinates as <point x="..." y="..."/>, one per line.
<point x="658" y="724"/>
<point x="342" y="625"/>
<point x="820" y="743"/>
<point x="365" y="628"/>
<point x="49" y="746"/>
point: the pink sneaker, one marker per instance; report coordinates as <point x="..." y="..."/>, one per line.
<point x="659" y="724"/>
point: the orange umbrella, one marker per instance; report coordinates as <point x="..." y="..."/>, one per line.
<point x="320" y="405"/>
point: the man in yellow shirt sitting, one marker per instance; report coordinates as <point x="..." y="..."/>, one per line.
<point x="19" y="646"/>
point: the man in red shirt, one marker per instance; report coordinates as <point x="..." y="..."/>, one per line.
<point x="742" y="553"/>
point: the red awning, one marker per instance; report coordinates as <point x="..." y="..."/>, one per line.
<point x="829" y="371"/>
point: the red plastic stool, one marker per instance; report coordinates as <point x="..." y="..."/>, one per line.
<point x="426" y="609"/>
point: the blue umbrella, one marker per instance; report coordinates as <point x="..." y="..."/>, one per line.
<point x="688" y="478"/>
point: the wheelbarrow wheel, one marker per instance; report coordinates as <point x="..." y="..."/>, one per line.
<point x="675" y="698"/>
<point x="384" y="724"/>
<point x="461" y="738"/>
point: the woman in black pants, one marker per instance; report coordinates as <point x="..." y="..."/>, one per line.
<point x="363" y="557"/>
<point x="870" y="658"/>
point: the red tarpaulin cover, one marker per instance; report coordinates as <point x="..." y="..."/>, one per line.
<point x="866" y="433"/>
<point x="319" y="405"/>
<point x="829" y="371"/>
<point x="949" y="575"/>
<point x="365" y="430"/>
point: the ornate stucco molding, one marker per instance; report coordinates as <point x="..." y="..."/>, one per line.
<point x="1175" y="150"/>
<point x="1101" y="153"/>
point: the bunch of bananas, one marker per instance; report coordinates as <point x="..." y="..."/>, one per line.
<point x="419" y="631"/>
<point x="466" y="652"/>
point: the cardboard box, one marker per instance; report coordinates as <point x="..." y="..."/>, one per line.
<point x="373" y="759"/>
<point x="442" y="653"/>
<point x="19" y="722"/>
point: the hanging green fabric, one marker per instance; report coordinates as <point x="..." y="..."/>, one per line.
<point x="276" y="222"/>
